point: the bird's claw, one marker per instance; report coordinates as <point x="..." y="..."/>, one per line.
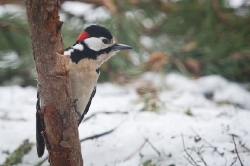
<point x="78" y="113"/>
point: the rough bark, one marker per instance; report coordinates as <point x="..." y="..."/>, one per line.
<point x="61" y="130"/>
<point x="109" y="4"/>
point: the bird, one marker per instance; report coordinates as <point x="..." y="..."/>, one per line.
<point x="94" y="46"/>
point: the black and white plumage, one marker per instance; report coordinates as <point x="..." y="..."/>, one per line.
<point x="93" y="47"/>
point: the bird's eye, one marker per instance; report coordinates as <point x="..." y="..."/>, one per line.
<point x="105" y="41"/>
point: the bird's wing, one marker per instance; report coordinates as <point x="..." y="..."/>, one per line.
<point x="39" y="128"/>
<point x="40" y="146"/>
<point x="88" y="105"/>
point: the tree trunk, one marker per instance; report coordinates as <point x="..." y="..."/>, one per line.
<point x="57" y="107"/>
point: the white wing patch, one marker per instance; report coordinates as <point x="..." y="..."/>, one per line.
<point x="95" y="43"/>
<point x="68" y="52"/>
<point x="78" y="47"/>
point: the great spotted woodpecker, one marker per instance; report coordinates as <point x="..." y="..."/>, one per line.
<point x="93" y="47"/>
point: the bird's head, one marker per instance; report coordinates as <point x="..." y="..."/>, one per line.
<point x="96" y="43"/>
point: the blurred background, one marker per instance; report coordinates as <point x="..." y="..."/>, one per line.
<point x="193" y="37"/>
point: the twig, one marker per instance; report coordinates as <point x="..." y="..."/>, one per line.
<point x="98" y="135"/>
<point x="237" y="150"/>
<point x="105" y="112"/>
<point x="244" y="146"/>
<point x="175" y="136"/>
<point x="189" y="160"/>
<point x="234" y="161"/>
<point x="194" y="163"/>
<point x="146" y="139"/>
<point x="211" y="146"/>
<point x="12" y="119"/>
<point x="200" y="156"/>
<point x="130" y="156"/>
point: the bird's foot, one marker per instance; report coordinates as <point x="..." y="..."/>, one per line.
<point x="75" y="105"/>
<point x="78" y="113"/>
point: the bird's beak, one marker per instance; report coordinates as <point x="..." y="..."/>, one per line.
<point x="117" y="47"/>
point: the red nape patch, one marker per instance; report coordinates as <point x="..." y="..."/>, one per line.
<point x="83" y="36"/>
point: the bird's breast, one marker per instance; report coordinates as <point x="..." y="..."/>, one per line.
<point x="83" y="79"/>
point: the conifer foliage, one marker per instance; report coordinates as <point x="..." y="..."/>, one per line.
<point x="15" y="49"/>
<point x="198" y="37"/>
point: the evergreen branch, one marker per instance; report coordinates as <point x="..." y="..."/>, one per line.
<point x="16" y="157"/>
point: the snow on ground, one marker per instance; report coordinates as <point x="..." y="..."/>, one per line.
<point x="211" y="126"/>
<point x="89" y="11"/>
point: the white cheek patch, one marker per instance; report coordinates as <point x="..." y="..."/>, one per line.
<point x="78" y="47"/>
<point x="95" y="43"/>
<point x="68" y="52"/>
